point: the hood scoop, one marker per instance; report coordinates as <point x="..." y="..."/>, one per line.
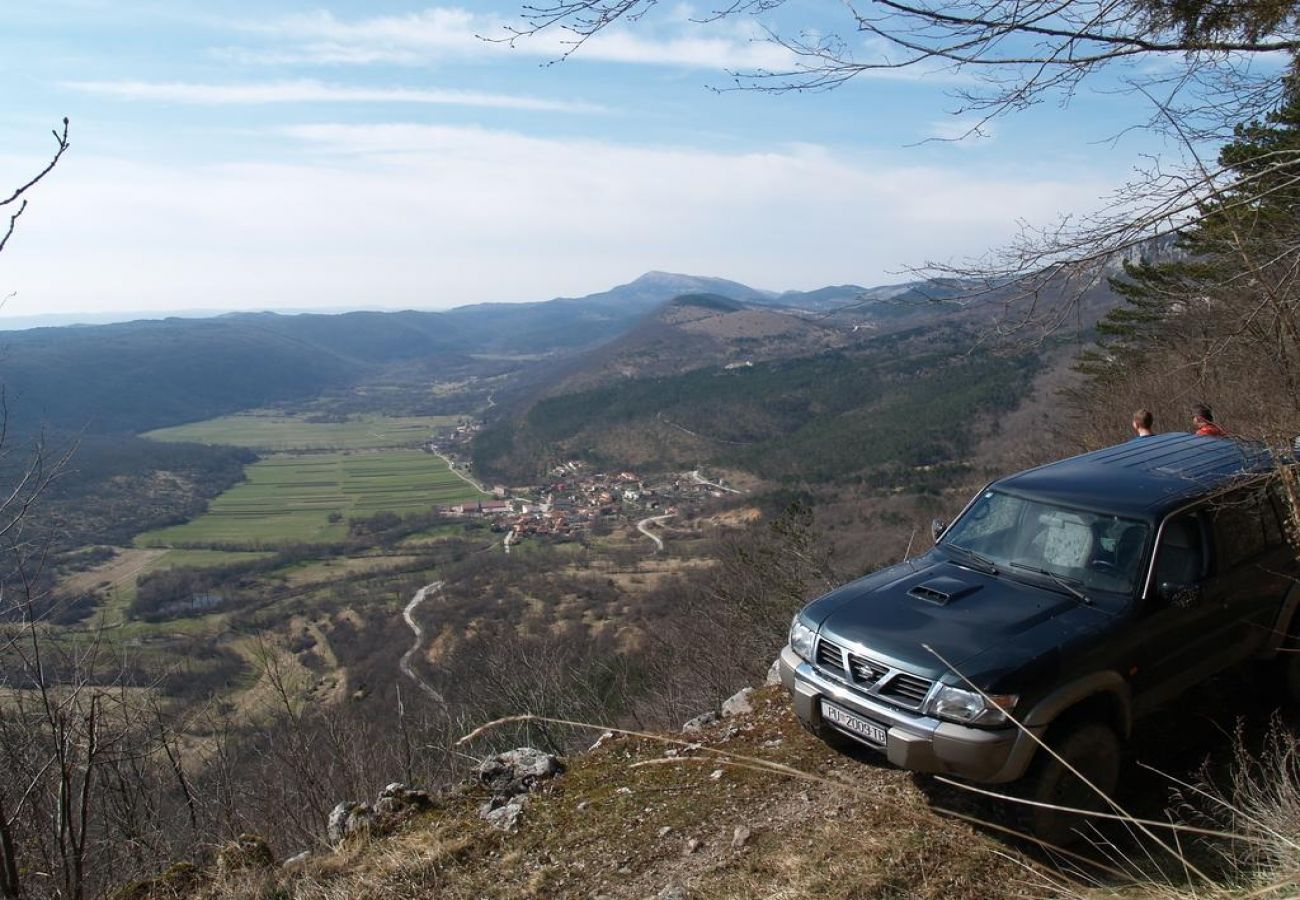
<point x="942" y="590"/>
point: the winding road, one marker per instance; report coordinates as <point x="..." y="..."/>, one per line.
<point x="405" y="664"/>
<point x="641" y="527"/>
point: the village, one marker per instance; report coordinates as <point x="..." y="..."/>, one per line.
<point x="574" y="499"/>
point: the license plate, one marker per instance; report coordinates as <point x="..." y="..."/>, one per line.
<point x="863" y="728"/>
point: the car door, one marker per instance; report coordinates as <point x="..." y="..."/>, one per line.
<point x="1250" y="574"/>
<point x="1172" y="641"/>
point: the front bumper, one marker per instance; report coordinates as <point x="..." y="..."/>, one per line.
<point x="917" y="742"/>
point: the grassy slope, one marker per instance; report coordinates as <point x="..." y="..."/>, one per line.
<point x="599" y="831"/>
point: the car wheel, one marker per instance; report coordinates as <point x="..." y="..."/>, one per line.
<point x="1091" y="748"/>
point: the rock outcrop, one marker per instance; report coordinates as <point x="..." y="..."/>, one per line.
<point x="510" y="776"/>
<point x="394" y="805"/>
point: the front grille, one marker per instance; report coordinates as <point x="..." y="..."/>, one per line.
<point x="872" y="677"/>
<point x="830" y="656"/>
<point x="907" y="690"/>
<point x="864" y="670"/>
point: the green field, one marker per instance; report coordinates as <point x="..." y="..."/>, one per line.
<point x="275" y="432"/>
<point x="290" y="498"/>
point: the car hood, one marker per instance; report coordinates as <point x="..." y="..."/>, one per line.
<point x="895" y="613"/>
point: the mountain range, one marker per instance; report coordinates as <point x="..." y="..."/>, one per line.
<point x="134" y="376"/>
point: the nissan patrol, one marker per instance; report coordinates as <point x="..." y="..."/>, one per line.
<point x="1072" y="597"/>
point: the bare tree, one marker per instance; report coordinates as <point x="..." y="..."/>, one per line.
<point x="1019" y="53"/>
<point x="1203" y="69"/>
<point x="19" y="194"/>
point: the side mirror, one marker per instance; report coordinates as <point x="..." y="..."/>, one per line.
<point x="937" y="528"/>
<point x="1179" y="596"/>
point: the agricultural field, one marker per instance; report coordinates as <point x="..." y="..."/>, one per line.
<point x="288" y="498"/>
<point x="275" y="432"/>
<point x="117" y="577"/>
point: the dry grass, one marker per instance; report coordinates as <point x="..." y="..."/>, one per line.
<point x="642" y="812"/>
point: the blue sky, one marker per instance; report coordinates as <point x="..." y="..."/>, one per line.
<point x="235" y="155"/>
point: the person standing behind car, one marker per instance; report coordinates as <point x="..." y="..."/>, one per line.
<point x="1142" y="422"/>
<point x="1203" y="420"/>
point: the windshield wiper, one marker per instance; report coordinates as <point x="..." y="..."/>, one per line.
<point x="983" y="563"/>
<point x="1063" y="583"/>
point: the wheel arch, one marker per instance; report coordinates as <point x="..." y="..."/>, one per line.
<point x="1101" y="696"/>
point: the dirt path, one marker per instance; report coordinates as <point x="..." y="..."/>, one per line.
<point x="641" y="527"/>
<point x="459" y="474"/>
<point x="405" y="663"/>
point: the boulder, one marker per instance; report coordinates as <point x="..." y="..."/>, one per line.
<point x="518" y="771"/>
<point x="738" y="703"/>
<point x="698" y="723"/>
<point x="347" y="819"/>
<point x="504" y="814"/>
<point x="397" y="800"/>
<point x="774" y="672"/>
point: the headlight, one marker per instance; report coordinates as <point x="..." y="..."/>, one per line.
<point x="970" y="707"/>
<point x="802" y="639"/>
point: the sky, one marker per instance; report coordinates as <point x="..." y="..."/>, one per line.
<point x="282" y="155"/>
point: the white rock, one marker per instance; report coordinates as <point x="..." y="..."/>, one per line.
<point x="738" y="703"/>
<point x="697" y="723"/>
<point x="774" y="672"/>
<point x="740" y="837"/>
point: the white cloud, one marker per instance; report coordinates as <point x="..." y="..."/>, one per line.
<point x="439" y="33"/>
<point x="315" y="92"/>
<point x="416" y="215"/>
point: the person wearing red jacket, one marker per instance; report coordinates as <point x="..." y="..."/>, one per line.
<point x="1203" y="420"/>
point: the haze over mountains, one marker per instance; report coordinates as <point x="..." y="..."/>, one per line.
<point x="134" y="376"/>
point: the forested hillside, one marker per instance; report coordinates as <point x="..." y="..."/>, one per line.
<point x="917" y="398"/>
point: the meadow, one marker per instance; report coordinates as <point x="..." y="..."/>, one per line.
<point x="272" y="431"/>
<point x="292" y="498"/>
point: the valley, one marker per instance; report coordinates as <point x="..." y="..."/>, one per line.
<point x="435" y="539"/>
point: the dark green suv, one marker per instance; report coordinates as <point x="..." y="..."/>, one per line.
<point x="1072" y="598"/>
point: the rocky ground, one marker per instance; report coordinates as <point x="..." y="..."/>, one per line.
<point x="698" y="814"/>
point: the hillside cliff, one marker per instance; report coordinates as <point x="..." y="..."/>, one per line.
<point x="702" y="814"/>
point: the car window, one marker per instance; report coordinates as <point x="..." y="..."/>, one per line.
<point x="1238" y="529"/>
<point x="1095" y="550"/>
<point x="1180" y="558"/>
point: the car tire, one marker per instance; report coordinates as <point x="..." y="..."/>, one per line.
<point x="1094" y="750"/>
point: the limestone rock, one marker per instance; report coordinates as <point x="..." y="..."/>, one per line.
<point x="397" y="799"/>
<point x="740" y="837"/>
<point x="504" y="814"/>
<point x="698" y="723"/>
<point x="347" y="819"/>
<point x="518" y="771"/>
<point x="738" y="703"/>
<point x="672" y="891"/>
<point x="774" y="672"/>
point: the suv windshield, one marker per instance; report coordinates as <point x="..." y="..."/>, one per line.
<point x="1091" y="550"/>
